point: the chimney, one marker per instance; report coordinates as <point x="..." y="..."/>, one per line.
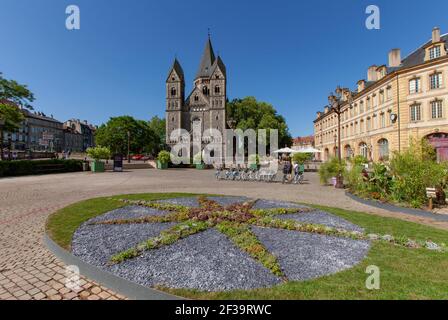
<point x="371" y="74"/>
<point x="435" y="35"/>
<point x="318" y="114"/>
<point x="394" y="58"/>
<point x="361" y="85"/>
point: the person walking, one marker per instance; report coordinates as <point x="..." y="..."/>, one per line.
<point x="286" y="170"/>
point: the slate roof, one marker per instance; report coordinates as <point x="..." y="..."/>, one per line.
<point x="178" y="68"/>
<point x="207" y="60"/>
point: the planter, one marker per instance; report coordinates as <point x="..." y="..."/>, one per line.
<point x="254" y="166"/>
<point x="200" y="166"/>
<point x="162" y="165"/>
<point x="97" y="166"/>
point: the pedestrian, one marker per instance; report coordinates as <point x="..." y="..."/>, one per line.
<point x="286" y="170"/>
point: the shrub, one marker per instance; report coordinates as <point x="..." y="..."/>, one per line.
<point x="413" y="171"/>
<point x="164" y="156"/>
<point x="28" y="167"/>
<point x="99" y="153"/>
<point x="197" y="158"/>
<point x="331" y="169"/>
<point x="301" y="158"/>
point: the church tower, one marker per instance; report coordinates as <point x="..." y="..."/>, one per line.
<point x="175" y="97"/>
<point x="205" y="106"/>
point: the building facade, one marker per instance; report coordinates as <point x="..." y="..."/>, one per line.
<point x="400" y="102"/>
<point x="303" y="142"/>
<point x="205" y="107"/>
<point x="79" y="135"/>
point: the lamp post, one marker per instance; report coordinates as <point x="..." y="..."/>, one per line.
<point x="336" y="102"/>
<point x="2" y="124"/>
<point x="129" y="146"/>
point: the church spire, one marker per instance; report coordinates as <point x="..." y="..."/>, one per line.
<point x="207" y="60"/>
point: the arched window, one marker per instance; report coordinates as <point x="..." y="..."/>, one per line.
<point x="196" y="98"/>
<point x="205" y="90"/>
<point x="348" y="151"/>
<point x="217" y="89"/>
<point x="383" y="146"/>
<point x="173" y="92"/>
<point x="363" y="150"/>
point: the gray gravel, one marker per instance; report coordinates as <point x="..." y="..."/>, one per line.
<point x="304" y="256"/>
<point x="96" y="244"/>
<point x="270" y="204"/>
<point x="207" y="261"/>
<point x="129" y="212"/>
<point x="187" y="202"/>
<point x="323" y="218"/>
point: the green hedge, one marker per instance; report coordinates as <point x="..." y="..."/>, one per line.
<point x="29" y="167"/>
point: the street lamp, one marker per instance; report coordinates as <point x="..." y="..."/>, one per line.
<point x="2" y="124"/>
<point x="129" y="146"/>
<point x="336" y="102"/>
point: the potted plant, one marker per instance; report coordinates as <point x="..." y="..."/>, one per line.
<point x="163" y="159"/>
<point x="197" y="160"/>
<point x="98" y="154"/>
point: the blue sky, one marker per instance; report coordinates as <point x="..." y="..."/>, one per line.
<point x="288" y="53"/>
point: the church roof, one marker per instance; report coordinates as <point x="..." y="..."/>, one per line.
<point x="219" y="63"/>
<point x="178" y="68"/>
<point x="208" y="58"/>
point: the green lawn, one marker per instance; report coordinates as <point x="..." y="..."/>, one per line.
<point x="405" y="273"/>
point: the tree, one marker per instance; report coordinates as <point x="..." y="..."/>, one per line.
<point x="248" y="113"/>
<point x="114" y="135"/>
<point x="13" y="97"/>
<point x="158" y="126"/>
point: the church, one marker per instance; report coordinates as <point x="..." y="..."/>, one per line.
<point x="205" y="107"/>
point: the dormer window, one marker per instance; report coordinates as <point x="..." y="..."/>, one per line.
<point x="435" y="52"/>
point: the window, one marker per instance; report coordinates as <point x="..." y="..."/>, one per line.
<point x="381" y="96"/>
<point x="436" y="109"/>
<point x="217" y="89"/>
<point x="361" y="126"/>
<point x="416" y="114"/>
<point x="389" y="93"/>
<point x="173" y="92"/>
<point x="414" y="85"/>
<point x="375" y="101"/>
<point x="361" y="107"/>
<point x="436" y="80"/>
<point x="382" y="120"/>
<point x="383" y="146"/>
<point x="369" y="103"/>
<point x="368" y="124"/>
<point x="434" y="52"/>
<point x="196" y="98"/>
<point x="205" y="91"/>
<point x="363" y="149"/>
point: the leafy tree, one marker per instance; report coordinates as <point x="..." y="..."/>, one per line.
<point x="301" y="158"/>
<point x="248" y="113"/>
<point x="158" y="126"/>
<point x="114" y="135"/>
<point x="13" y="97"/>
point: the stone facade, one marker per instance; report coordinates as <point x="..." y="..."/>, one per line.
<point x="400" y="102"/>
<point x="205" y="106"/>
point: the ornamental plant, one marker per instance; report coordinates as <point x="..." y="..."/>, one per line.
<point x="164" y="156"/>
<point x="332" y="168"/>
<point x="99" y="153"/>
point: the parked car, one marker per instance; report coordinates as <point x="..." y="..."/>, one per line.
<point x="137" y="157"/>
